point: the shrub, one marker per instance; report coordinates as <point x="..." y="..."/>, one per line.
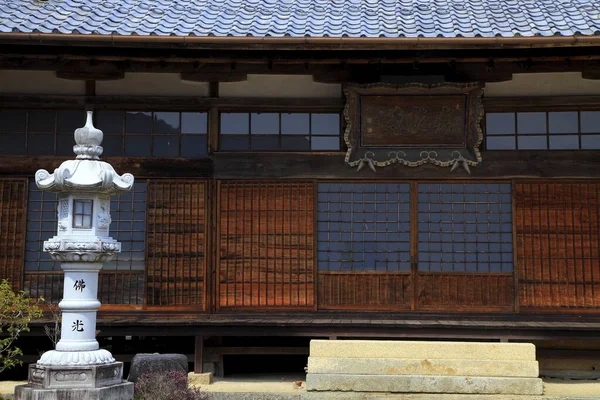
<point x="170" y="386"/>
<point x="16" y="311"/>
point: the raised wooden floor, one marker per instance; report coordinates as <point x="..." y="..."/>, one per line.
<point x="333" y="325"/>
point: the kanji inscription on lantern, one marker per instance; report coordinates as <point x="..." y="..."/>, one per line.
<point x="77" y="326"/>
<point x="413" y="120"/>
<point x="79" y="285"/>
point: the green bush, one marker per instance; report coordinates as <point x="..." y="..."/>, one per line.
<point x="16" y="311"/>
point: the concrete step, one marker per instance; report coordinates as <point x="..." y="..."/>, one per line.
<point x="417" y="350"/>
<point x="399" y="366"/>
<point x="423" y="384"/>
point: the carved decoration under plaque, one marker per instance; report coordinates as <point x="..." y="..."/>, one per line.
<point x="413" y="124"/>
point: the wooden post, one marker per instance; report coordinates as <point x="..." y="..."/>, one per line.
<point x="198" y="354"/>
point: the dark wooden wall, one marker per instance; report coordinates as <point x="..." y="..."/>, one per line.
<point x="266" y="245"/>
<point x="558" y="245"/>
<point x="13" y="213"/>
<point x="176" y="241"/>
<point x="266" y="256"/>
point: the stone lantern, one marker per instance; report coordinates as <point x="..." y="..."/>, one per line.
<point x="78" y="368"/>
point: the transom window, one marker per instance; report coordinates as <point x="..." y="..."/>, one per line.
<point x="280" y="131"/>
<point x="126" y="133"/>
<point x="561" y="130"/>
<point x="39" y="132"/>
<point x="159" y="134"/>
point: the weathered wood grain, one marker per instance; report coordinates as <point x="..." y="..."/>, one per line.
<point x="266" y="245"/>
<point x="13" y="195"/>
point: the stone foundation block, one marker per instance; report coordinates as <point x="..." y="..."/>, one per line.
<point x="122" y="391"/>
<point x="200" y="379"/>
<point x="76" y="376"/>
<point x="423" y="384"/>
<point x="398" y="366"/>
<point x="422" y="350"/>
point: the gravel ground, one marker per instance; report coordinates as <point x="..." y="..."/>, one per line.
<point x="569" y="389"/>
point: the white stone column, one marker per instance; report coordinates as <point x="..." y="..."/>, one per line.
<point x="79" y="307"/>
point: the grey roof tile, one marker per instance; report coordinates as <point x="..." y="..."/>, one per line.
<point x="300" y="18"/>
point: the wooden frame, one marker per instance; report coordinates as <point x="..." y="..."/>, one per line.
<point x="456" y="105"/>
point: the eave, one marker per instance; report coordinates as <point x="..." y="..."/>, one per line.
<point x="304" y="43"/>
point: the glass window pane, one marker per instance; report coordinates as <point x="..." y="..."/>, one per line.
<point x="500" y="123"/>
<point x="113" y="145"/>
<point x="12" y="121"/>
<point x="166" y="123"/>
<point x="377" y="240"/>
<point x="194" y="123"/>
<point x="325" y="124"/>
<point x="590" y="142"/>
<point x="531" y="122"/>
<point x="532" y="143"/>
<point x="325" y="143"/>
<point x="235" y="123"/>
<point x="564" y="142"/>
<point x="69" y="120"/>
<point x="295" y="124"/>
<point x="295" y="143"/>
<point x="264" y="123"/>
<point x="41" y="121"/>
<point x="237" y="142"/>
<point x="138" y="146"/>
<point x="590" y="122"/>
<point x="563" y="122"/>
<point x="110" y="121"/>
<point x="165" y="146"/>
<point x="501" y="143"/>
<point x="138" y="122"/>
<point x="40" y="145"/>
<point x="64" y="145"/>
<point x="264" y="142"/>
<point x="12" y="144"/>
<point x="193" y="146"/>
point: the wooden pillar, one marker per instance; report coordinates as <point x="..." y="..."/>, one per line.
<point x="198" y="354"/>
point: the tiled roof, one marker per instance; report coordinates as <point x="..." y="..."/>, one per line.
<point x="304" y="18"/>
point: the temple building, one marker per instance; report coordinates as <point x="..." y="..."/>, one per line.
<point x="315" y="169"/>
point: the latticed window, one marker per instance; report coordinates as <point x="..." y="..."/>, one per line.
<point x="459" y="227"/>
<point x="364" y="226"/>
<point x="128" y="226"/>
<point x="465" y="227"/>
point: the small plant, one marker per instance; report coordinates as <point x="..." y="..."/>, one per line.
<point x="170" y="386"/>
<point x="53" y="331"/>
<point x="16" y="312"/>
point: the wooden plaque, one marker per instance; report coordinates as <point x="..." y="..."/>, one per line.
<point x="413" y="124"/>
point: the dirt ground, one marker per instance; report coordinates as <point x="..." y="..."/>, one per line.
<point x="286" y="383"/>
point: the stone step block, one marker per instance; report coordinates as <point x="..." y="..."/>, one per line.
<point x="399" y="366"/>
<point x="414" y="396"/>
<point x="416" y="350"/>
<point x="423" y="384"/>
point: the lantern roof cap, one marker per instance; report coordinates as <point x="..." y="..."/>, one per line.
<point x="87" y="173"/>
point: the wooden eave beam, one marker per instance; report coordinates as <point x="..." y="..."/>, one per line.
<point x="297" y="43"/>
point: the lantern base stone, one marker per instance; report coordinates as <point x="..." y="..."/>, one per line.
<point x="75" y="358"/>
<point x="75" y="382"/>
